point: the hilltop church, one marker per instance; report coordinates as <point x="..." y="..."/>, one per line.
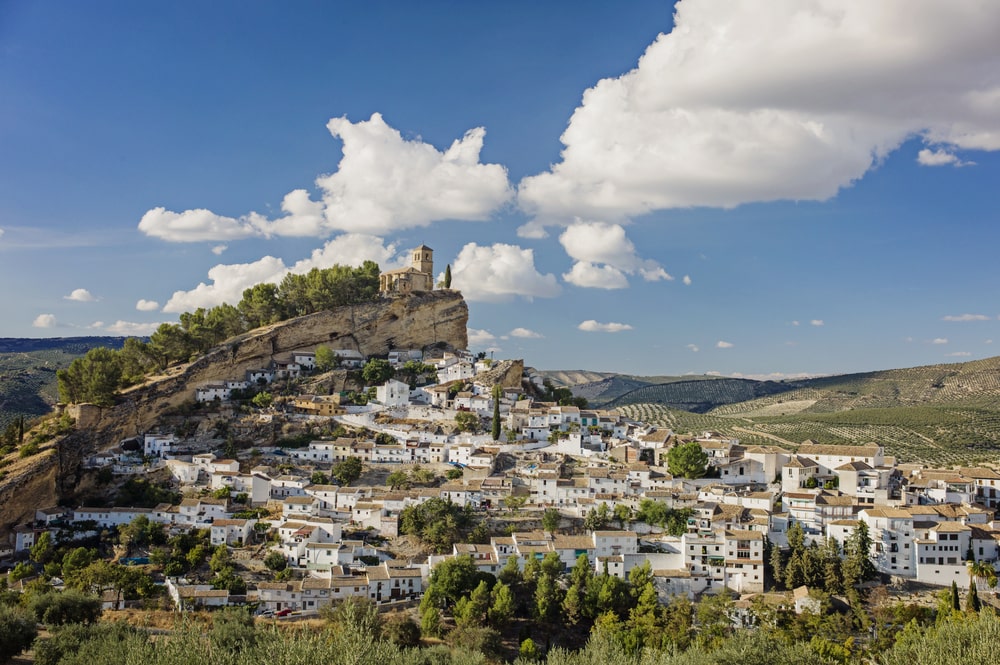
<point x="419" y="276"/>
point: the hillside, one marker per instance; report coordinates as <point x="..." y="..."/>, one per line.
<point x="937" y="414"/>
<point x="601" y="388"/>
<point x="416" y="320"/>
<point x="28" y="371"/>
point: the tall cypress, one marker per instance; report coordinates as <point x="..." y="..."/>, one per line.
<point x="497" y="393"/>
<point x="447" y="276"/>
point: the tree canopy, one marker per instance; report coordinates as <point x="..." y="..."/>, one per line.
<point x="687" y="460"/>
<point x="98" y="375"/>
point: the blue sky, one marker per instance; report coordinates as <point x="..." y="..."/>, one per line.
<point x="799" y="187"/>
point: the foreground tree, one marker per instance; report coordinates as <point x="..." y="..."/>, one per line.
<point x="687" y="460"/>
<point x="551" y="519"/>
<point x="347" y="471"/>
<point x="326" y="359"/>
<point x="377" y="371"/>
<point x="17" y="631"/>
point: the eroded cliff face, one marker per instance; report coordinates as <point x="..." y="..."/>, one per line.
<point x="507" y="373"/>
<point x="412" y="321"/>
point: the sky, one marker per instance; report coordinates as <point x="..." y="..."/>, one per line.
<point x="769" y="190"/>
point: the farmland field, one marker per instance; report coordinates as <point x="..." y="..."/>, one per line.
<point x="933" y="435"/>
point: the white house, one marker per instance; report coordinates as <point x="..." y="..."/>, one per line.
<point x="156" y="445"/>
<point x="350" y="358"/>
<point x="208" y="392"/>
<point x="393" y="393"/>
<point x="231" y="531"/>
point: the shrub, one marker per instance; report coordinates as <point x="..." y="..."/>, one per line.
<point x="70" y="606"/>
<point x="28" y="449"/>
<point x="17" y="631"/>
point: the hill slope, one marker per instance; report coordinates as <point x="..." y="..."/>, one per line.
<point x="28" y="371"/>
<point x="937" y="414"/>
<point x="601" y="388"/>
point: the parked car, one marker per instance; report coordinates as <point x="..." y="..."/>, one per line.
<point x="283" y="613"/>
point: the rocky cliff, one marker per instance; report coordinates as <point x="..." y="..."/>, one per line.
<point x="412" y="321"/>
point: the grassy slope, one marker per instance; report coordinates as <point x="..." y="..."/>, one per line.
<point x="938" y="414"/>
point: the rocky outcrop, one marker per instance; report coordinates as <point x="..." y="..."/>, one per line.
<point x="507" y="373"/>
<point x="27" y="484"/>
<point x="416" y="320"/>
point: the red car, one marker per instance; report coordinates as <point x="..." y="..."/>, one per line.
<point x="283" y="613"/>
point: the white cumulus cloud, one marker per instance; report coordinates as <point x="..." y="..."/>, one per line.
<point x="965" y="317"/>
<point x="219" y="249"/>
<point x="817" y="322"/>
<point x="131" y="328"/>
<point x="147" y="305"/>
<point x="603" y="250"/>
<point x="787" y="99"/>
<point x="383" y="183"/>
<point x="687" y="280"/>
<point x="723" y="345"/>
<point x="500" y="272"/>
<point x="593" y="326"/>
<point x="479" y="338"/>
<point x="939" y="340"/>
<point x="525" y="333"/>
<point x="693" y="347"/>
<point x="927" y="157"/>
<point x="593" y="276"/>
<point x="228" y="281"/>
<point x="80" y="295"/>
<point x="44" y="321"/>
<point x="199" y="224"/>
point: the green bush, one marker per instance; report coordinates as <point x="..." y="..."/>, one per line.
<point x="28" y="449"/>
<point x="71" y="606"/>
<point x="17" y="631"/>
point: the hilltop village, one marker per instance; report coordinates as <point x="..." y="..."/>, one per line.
<point x="446" y="456"/>
<point x="591" y="467"/>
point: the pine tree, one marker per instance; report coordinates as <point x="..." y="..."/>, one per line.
<point x="502" y="609"/>
<point x="572" y="605"/>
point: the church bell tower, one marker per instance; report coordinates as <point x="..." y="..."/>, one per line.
<point x="423" y="260"/>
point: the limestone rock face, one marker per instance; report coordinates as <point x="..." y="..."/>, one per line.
<point x="507" y="373"/>
<point x="416" y="320"/>
<point x="411" y="321"/>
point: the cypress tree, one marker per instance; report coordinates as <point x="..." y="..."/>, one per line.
<point x="497" y="393"/>
<point x="447" y="276"/>
<point x="955" y="603"/>
<point x="972" y="604"/>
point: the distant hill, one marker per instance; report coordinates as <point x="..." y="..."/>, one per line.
<point x="28" y="371"/>
<point x="937" y="414"/>
<point x="602" y="388"/>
